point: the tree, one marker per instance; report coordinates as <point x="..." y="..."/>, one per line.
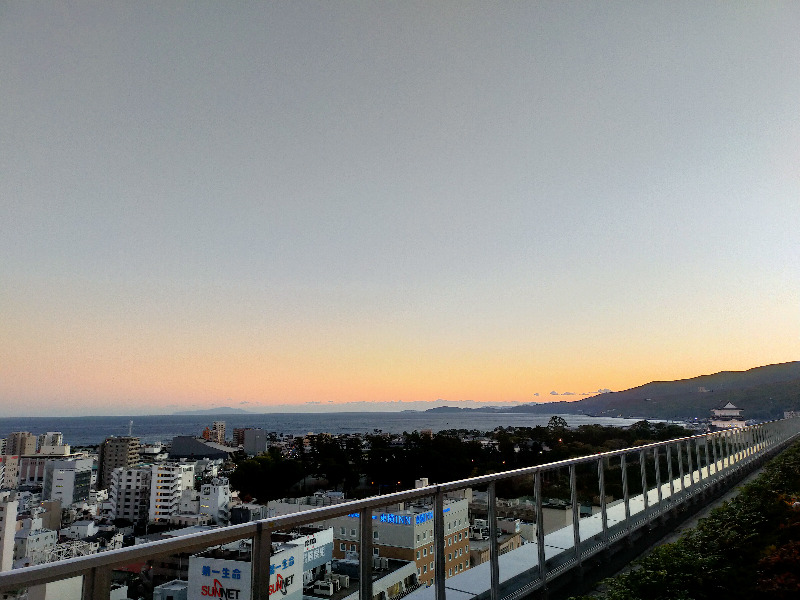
<point x="557" y="423"/>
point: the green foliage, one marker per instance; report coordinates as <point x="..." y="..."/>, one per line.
<point x="746" y="548"/>
<point x="266" y="477"/>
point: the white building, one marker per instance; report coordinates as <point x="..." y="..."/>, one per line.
<point x="172" y="590"/>
<point x="51" y="438"/>
<point x="33" y="543"/>
<point x="167" y="483"/>
<point x="727" y="416"/>
<point x="215" y="499"/>
<point x="80" y="530"/>
<point x="129" y="493"/>
<point x="8" y="526"/>
<point x="67" y="480"/>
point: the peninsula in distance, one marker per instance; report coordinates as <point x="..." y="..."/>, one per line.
<point x="764" y="393"/>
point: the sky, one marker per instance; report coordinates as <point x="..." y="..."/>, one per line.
<point x="269" y="204"/>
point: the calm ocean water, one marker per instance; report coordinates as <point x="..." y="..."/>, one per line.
<point x="80" y="431"/>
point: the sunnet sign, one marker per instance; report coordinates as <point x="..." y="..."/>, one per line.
<point x="219" y="578"/>
<point x="232" y="579"/>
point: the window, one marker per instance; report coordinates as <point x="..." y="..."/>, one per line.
<point x="417" y="554"/>
<point x="450" y="556"/>
<point x="353" y="547"/>
<point x="375" y="535"/>
<point x="424" y="534"/>
<point x="352" y="533"/>
<point x="425" y="569"/>
<point x="460" y="535"/>
<point x="449" y="541"/>
<point x="449" y="525"/>
<point x="431" y="566"/>
<point x="417" y="537"/>
<point x="424" y="552"/>
<point x="418" y="571"/>
<point x="342" y="530"/>
<point x="342" y="547"/>
<point x="376" y="552"/>
<point x="450" y="572"/>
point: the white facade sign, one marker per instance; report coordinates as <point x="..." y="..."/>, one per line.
<point x="219" y="578"/>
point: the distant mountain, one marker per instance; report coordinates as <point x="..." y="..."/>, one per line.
<point x="763" y="393"/>
<point x="222" y="410"/>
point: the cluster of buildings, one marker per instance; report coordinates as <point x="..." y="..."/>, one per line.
<point x="56" y="504"/>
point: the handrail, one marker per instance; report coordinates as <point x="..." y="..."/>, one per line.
<point x="736" y="448"/>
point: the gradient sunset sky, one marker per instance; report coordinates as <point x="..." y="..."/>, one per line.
<point x="262" y="204"/>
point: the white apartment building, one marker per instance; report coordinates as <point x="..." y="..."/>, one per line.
<point x="215" y="499"/>
<point x="168" y="481"/>
<point x="8" y="526"/>
<point x="51" y="438"/>
<point x="33" y="543"/>
<point x="67" y="480"/>
<point x="129" y="493"/>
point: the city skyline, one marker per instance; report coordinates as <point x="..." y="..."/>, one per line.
<point x="260" y="205"/>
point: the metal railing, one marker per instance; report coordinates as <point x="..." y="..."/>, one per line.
<point x="693" y="465"/>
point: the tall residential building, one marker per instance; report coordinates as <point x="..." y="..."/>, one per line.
<point x="129" y="493"/>
<point x="51" y="438"/>
<point x="167" y="483"/>
<point x="9" y="472"/>
<point x="21" y="442"/>
<point x="8" y="527"/>
<point x="67" y="480"/>
<point x="218" y="432"/>
<point x="115" y="453"/>
<point x="215" y="499"/>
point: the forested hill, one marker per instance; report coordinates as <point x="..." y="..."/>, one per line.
<point x="763" y="393"/>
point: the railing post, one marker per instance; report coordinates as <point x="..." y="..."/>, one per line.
<point x="670" y="474"/>
<point x="494" y="557"/>
<point x="625" y="496"/>
<point x="537" y="490"/>
<point x="601" y="482"/>
<point x="657" y="458"/>
<point x="440" y="572"/>
<point x="262" y="551"/>
<point x="708" y="457"/>
<point x="728" y="449"/>
<point x="97" y="584"/>
<point x="643" y="471"/>
<point x="576" y="513"/>
<point x="699" y="460"/>
<point x="680" y="467"/>
<point x="689" y="462"/>
<point x="714" y="439"/>
<point x="365" y="550"/>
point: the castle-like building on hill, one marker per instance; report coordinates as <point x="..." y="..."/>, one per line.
<point x="727" y="417"/>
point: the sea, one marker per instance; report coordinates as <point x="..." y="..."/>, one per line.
<point x="89" y="431"/>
